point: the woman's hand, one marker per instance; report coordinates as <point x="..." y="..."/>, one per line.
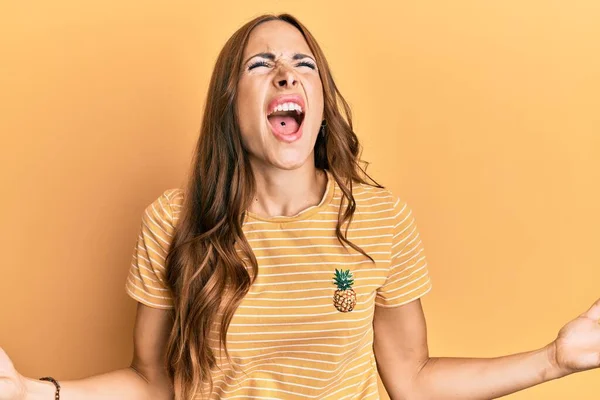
<point x="12" y="384"/>
<point x="577" y="347"/>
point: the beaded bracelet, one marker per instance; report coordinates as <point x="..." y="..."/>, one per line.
<point x="49" y="379"/>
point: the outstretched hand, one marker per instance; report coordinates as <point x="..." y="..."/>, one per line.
<point x="12" y="384"/>
<point x="577" y="347"/>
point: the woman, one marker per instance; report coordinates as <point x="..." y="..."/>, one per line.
<point x="283" y="270"/>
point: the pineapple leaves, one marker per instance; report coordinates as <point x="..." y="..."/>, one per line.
<point x="343" y="279"/>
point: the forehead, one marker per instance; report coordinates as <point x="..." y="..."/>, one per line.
<point x="276" y="37"/>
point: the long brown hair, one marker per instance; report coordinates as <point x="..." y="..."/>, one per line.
<point x="207" y="276"/>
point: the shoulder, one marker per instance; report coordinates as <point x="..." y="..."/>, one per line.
<point x="374" y="200"/>
<point x="165" y="209"/>
<point x="372" y="196"/>
<point x="174" y="196"/>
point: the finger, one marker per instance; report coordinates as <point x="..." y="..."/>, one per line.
<point x="5" y="361"/>
<point x="3" y="355"/>
<point x="594" y="311"/>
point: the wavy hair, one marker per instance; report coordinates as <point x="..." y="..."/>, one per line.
<point x="207" y="276"/>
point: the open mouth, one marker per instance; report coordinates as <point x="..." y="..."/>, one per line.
<point x="286" y="119"/>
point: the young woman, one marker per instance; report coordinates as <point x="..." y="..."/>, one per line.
<point x="283" y="271"/>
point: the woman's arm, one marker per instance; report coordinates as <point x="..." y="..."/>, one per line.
<point x="145" y="379"/>
<point x="120" y="384"/>
<point x="408" y="372"/>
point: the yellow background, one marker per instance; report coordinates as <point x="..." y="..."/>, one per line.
<point x="484" y="115"/>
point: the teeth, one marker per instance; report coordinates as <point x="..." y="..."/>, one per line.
<point x="287" y="107"/>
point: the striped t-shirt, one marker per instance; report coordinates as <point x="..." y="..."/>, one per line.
<point x="287" y="338"/>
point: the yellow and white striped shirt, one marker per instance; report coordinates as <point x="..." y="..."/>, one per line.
<point x="287" y="336"/>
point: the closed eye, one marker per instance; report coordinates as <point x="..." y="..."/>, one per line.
<point x="258" y="64"/>
<point x="306" y="64"/>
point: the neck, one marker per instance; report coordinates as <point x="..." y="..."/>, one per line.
<point x="282" y="192"/>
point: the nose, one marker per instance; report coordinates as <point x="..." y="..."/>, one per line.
<point x="285" y="78"/>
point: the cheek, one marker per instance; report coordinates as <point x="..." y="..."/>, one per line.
<point x="321" y="100"/>
<point x="248" y="108"/>
<point x="316" y="94"/>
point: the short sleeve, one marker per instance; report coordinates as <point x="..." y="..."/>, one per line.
<point x="146" y="280"/>
<point x="408" y="277"/>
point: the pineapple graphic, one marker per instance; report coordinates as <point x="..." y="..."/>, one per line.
<point x="344" y="298"/>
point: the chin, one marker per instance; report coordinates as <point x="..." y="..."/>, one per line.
<point x="290" y="159"/>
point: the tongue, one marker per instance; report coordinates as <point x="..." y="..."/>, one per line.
<point x="284" y="125"/>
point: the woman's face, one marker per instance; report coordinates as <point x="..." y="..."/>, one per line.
<point x="280" y="97"/>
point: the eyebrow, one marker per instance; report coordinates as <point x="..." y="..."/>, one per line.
<point x="271" y="56"/>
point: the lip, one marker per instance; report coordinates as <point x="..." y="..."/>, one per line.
<point x="288" y="98"/>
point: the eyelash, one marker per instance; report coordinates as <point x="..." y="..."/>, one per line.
<point x="307" y="64"/>
<point x="265" y="64"/>
<point x="258" y="64"/>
